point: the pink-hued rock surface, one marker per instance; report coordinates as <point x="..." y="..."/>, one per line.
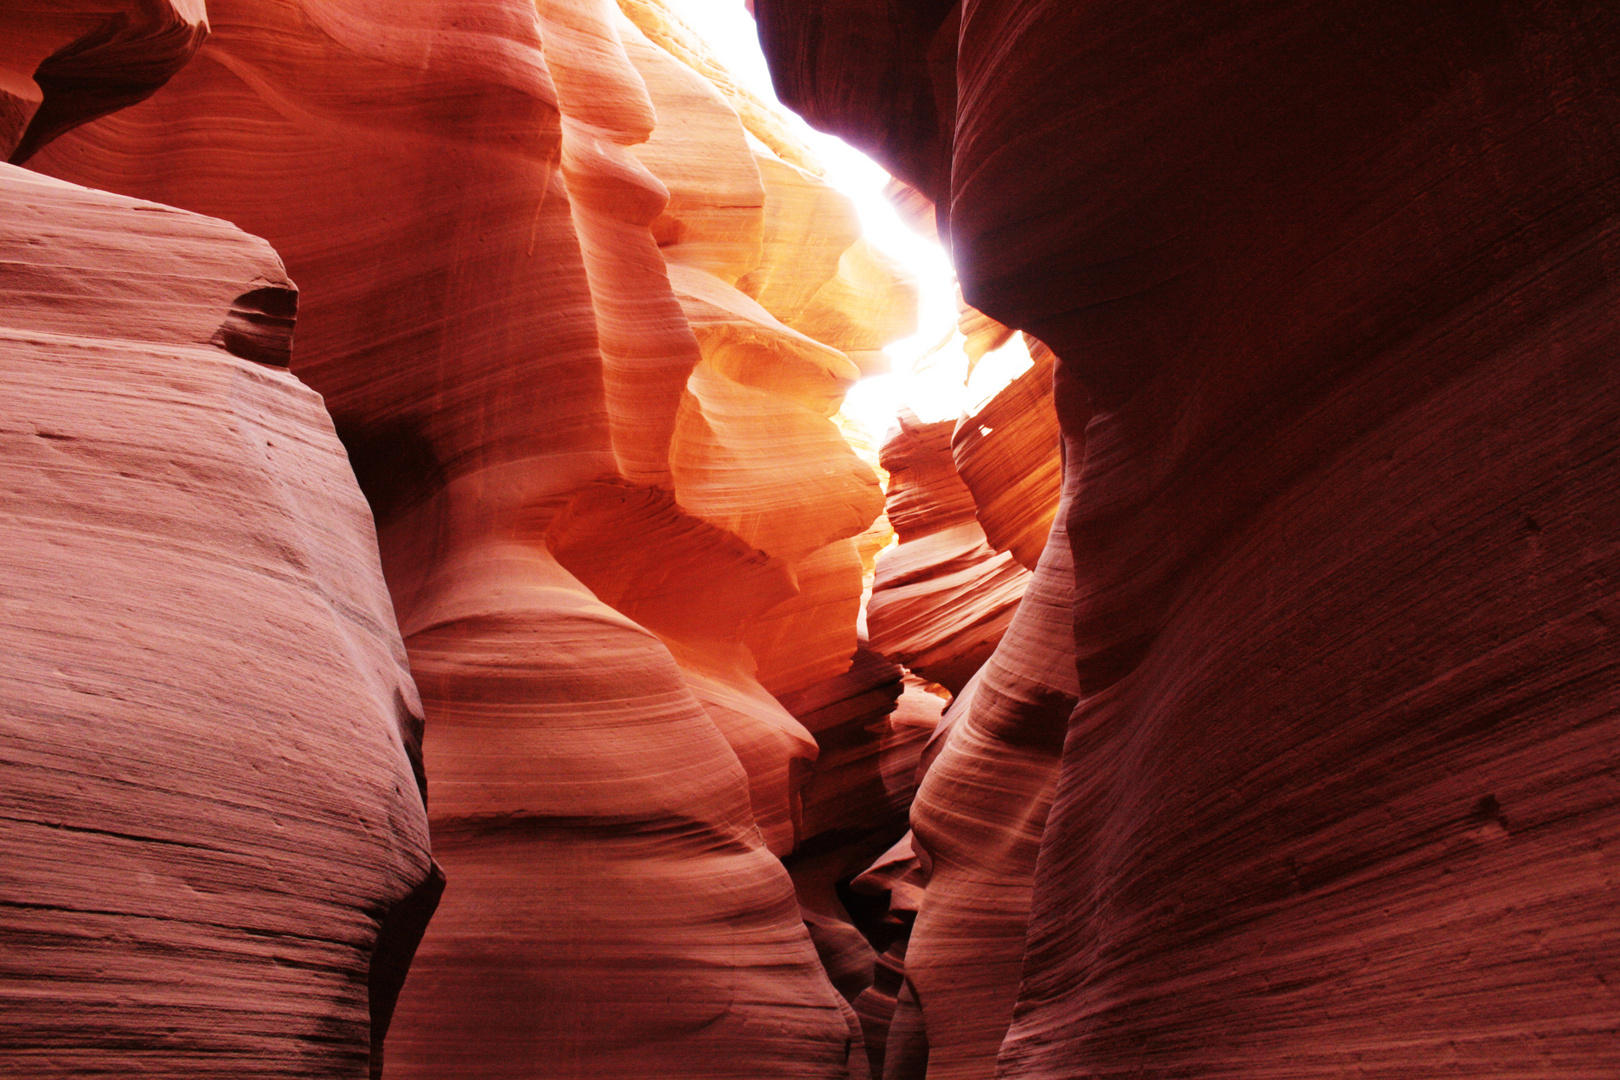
<point x="585" y="353"/>
<point x="216" y="857"/>
<point x="1277" y="599"/>
<point x="1338" y="281"/>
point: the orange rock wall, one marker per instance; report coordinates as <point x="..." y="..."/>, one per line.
<point x="584" y="352"/>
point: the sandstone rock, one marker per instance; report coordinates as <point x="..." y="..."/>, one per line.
<point x="1335" y="282"/>
<point x="941" y="598"/>
<point x="981" y="334"/>
<point x="68" y="62"/>
<point x="619" y="907"/>
<point x="879" y="74"/>
<point x="1007" y="453"/>
<point x="897" y="879"/>
<point x="665" y="28"/>
<point x="978" y="822"/>
<point x="520" y="303"/>
<point x="216" y="852"/>
<point x="941" y="602"/>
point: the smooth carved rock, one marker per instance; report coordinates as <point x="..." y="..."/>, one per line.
<point x="880" y="73"/>
<point x="941" y="598"/>
<point x="1339" y="284"/>
<point x="897" y="878"/>
<point x="67" y="62"/>
<point x="665" y="28"/>
<point x="925" y="492"/>
<point x="940" y="603"/>
<point x="619" y="910"/>
<point x="1008" y="454"/>
<point x="978" y="822"/>
<point x="982" y="334"/>
<point x="820" y="277"/>
<point x="216" y="853"/>
<point x="520" y="305"/>
<point x="755" y="449"/>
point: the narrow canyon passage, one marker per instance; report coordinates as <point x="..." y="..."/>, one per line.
<point x="467" y="619"/>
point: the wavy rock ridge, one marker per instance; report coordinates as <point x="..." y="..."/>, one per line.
<point x="1325" y="289"/>
<point x="215" y="846"/>
<point x="1276" y="599"/>
<point x="583" y="335"/>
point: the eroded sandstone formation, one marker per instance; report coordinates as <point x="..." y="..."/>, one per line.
<point x="1276" y="599"/>
<point x="1337" y="282"/>
<point x="68" y="62"/>
<point x="1009" y="453"/>
<point x="215" y="848"/>
<point x="942" y="597"/>
<point x="583" y="332"/>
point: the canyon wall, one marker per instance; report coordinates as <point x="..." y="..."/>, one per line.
<point x="216" y="855"/>
<point x="1333" y="285"/>
<point x="1275" y="601"/>
<point x="582" y="319"/>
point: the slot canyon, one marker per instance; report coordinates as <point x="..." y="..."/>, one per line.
<point x="456" y="628"/>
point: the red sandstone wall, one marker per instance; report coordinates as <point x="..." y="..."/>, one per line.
<point x="1336" y="280"/>
<point x="216" y="856"/>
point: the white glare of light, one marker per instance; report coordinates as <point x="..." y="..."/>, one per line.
<point x="931" y="385"/>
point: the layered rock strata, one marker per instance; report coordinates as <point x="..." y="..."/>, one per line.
<point x="68" y="62"/>
<point x="216" y="851"/>
<point x="561" y="310"/>
<point x="941" y="598"/>
<point x="1335" y="280"/>
<point x="1008" y="452"/>
<point x="979" y="817"/>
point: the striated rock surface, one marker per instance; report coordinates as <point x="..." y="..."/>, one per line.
<point x="942" y="597"/>
<point x="887" y="1008"/>
<point x="1008" y="453"/>
<point x="979" y="816"/>
<point x="548" y="299"/>
<point x="216" y="853"/>
<point x="70" y="61"/>
<point x="1337" y="281"/>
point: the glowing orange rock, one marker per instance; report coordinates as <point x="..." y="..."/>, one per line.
<point x="942" y="598"/>
<point x="1007" y="454"/>
<point x="521" y="305"/>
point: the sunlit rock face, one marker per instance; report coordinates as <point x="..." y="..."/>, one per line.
<point x="216" y="852"/>
<point x="1338" y="285"/>
<point x="583" y="332"/>
<point x="1009" y="454"/>
<point x="941" y="598"/>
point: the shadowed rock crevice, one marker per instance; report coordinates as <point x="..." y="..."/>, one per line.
<point x="124" y="60"/>
<point x="260" y="326"/>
